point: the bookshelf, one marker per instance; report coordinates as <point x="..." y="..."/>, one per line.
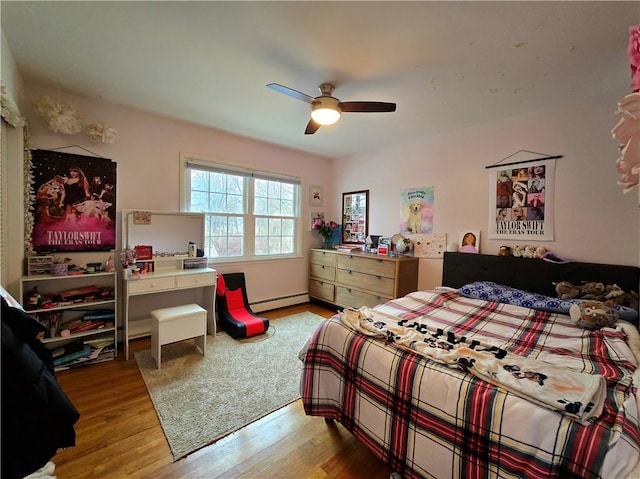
<point x="79" y="311"/>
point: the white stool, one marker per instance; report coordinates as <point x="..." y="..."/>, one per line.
<point x="169" y="325"/>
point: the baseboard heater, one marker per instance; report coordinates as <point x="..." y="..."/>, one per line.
<point x="281" y="302"/>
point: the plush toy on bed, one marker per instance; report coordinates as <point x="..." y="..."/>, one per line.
<point x="598" y="292"/>
<point x="593" y="315"/>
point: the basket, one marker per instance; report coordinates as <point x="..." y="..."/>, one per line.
<point x="60" y="269"/>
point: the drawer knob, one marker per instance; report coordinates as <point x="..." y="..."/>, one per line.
<point x="379" y="277"/>
<point x="322" y="267"/>
<point x="350" y="272"/>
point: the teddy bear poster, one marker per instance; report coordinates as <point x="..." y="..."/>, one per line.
<point x="416" y="211"/>
<point x="73" y="202"/>
<point x="521" y="200"/>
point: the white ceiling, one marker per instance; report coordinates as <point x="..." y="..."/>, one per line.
<point x="447" y="65"/>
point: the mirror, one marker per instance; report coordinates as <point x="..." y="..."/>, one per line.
<point x="355" y="216"/>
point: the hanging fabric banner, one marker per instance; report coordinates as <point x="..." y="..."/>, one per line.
<point x="521" y="201"/>
<point x="74" y="202"/>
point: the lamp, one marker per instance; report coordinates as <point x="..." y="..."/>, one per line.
<point x="326" y="112"/>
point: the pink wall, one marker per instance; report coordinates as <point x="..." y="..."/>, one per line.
<point x="594" y="220"/>
<point x="148" y="152"/>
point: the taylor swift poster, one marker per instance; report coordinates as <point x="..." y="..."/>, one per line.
<point x="74" y="202"/>
<point x="521" y="201"/>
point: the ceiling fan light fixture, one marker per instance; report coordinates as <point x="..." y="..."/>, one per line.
<point x="325" y="114"/>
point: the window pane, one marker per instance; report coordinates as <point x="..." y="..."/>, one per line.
<point x="223" y="196"/>
<point x="260" y="206"/>
<point x="225" y="236"/>
<point x="199" y="180"/>
<point x="199" y="201"/>
<point x="262" y="227"/>
<point x="235" y="204"/>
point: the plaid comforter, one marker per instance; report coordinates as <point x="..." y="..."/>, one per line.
<point x="427" y="420"/>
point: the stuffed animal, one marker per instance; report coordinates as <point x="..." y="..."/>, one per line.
<point x="518" y="250"/>
<point x="593" y="315"/>
<point x="539" y="252"/>
<point x="611" y="293"/>
<point x="528" y="251"/>
<point x="567" y="290"/>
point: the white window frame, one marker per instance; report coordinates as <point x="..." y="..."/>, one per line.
<point x="249" y="217"/>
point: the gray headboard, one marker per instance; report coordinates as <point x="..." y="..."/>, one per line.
<point x="533" y="275"/>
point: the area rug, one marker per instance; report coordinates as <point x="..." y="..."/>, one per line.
<point x="200" y="399"/>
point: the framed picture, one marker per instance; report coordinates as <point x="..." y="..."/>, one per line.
<point x="316" y="196"/>
<point x="355" y="216"/>
<point x="469" y="241"/>
<point x="313" y="216"/>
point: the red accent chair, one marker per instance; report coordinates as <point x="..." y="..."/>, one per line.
<point x="234" y="313"/>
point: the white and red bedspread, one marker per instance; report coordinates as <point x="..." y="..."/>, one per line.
<point x="428" y="420"/>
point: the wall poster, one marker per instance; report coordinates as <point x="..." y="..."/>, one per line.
<point x="429" y="245"/>
<point x="74" y="202"/>
<point x="521" y="201"/>
<point x="416" y="211"/>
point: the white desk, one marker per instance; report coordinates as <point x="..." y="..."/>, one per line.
<point x="165" y="282"/>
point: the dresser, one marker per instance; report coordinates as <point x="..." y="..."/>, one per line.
<point x="360" y="279"/>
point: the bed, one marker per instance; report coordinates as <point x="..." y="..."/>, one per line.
<point x="399" y="378"/>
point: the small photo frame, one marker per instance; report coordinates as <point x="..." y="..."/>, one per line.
<point x="313" y="216"/>
<point x="469" y="241"/>
<point x="316" y="196"/>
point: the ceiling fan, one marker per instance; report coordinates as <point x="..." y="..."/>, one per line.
<point x="326" y="109"/>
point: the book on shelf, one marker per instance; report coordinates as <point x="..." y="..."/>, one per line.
<point x="68" y="348"/>
<point x="99" y="351"/>
<point x="92" y="319"/>
<point x="67" y="358"/>
<point x="99" y="314"/>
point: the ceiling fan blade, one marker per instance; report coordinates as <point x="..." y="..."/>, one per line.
<point x="291" y="92"/>
<point x="312" y="127"/>
<point x="366" y="106"/>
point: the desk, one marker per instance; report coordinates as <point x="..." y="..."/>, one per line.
<point x="165" y="282"/>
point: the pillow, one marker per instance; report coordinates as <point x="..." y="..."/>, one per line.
<point x="489" y="291"/>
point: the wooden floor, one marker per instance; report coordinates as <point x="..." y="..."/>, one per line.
<point x="119" y="435"/>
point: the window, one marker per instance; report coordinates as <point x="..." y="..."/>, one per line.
<point x="249" y="214"/>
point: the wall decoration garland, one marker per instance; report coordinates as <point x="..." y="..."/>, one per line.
<point x="60" y="117"/>
<point x="9" y="112"/>
<point x="627" y="130"/>
<point x="101" y="133"/>
<point x="29" y="194"/>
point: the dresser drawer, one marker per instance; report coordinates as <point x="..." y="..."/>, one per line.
<point x="370" y="265"/>
<point x="191" y="280"/>
<point x="368" y="282"/>
<point x="321" y="290"/>
<point x="149" y="285"/>
<point x="356" y="299"/>
<point x="321" y="271"/>
<point x="324" y="257"/>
